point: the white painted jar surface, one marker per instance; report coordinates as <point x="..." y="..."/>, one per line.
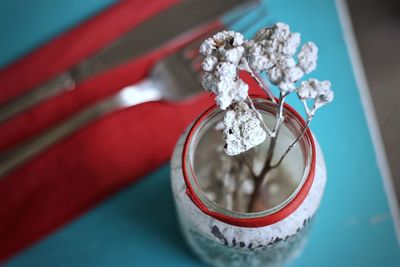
<point x="223" y="237"/>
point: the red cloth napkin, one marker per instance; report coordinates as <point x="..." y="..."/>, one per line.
<point x="59" y="55"/>
<point x="77" y="44"/>
<point x="100" y="159"/>
<point x="31" y="202"/>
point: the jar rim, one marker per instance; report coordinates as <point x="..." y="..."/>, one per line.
<point x="257" y="220"/>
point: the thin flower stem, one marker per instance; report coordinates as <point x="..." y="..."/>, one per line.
<point x="271" y="149"/>
<point x="306" y="107"/>
<point x="310" y="114"/>
<point x="260" y="84"/>
<point x="262" y="177"/>
<point x="294" y="143"/>
<point x="279" y="115"/>
<point x="270" y="133"/>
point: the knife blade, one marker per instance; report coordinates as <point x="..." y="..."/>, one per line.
<point x="167" y="25"/>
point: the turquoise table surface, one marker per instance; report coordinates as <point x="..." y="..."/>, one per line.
<point x="354" y="226"/>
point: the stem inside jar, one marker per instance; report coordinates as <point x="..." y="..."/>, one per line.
<point x="228" y="180"/>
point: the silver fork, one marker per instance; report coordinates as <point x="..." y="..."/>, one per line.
<point x="175" y="78"/>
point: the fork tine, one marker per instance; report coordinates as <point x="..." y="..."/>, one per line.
<point x="262" y="12"/>
<point x="192" y="53"/>
<point x="234" y="17"/>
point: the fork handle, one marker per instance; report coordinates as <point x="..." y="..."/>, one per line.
<point x="127" y="97"/>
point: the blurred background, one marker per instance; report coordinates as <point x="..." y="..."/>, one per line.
<point x="377" y="29"/>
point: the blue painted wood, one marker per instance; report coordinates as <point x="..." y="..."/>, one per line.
<point x="133" y="228"/>
<point x="25" y="25"/>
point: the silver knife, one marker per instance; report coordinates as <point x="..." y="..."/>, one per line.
<point x="167" y="25"/>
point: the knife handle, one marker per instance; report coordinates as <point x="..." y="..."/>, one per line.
<point x="130" y="45"/>
<point x="55" y="86"/>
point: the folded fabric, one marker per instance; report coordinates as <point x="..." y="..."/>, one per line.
<point x="44" y="116"/>
<point x="90" y="165"/>
<point x="75" y="45"/>
<point x="39" y="66"/>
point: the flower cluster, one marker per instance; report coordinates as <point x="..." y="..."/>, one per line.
<point x="223" y="56"/>
<point x="242" y="129"/>
<point x="274" y="51"/>
<point x="319" y="91"/>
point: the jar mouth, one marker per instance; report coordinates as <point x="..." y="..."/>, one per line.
<point x="245" y="219"/>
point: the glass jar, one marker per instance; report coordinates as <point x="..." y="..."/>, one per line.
<point x="232" y="237"/>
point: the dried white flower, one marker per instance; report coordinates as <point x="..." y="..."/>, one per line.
<point x="207" y="47"/>
<point x="223" y="54"/>
<point x="238" y="39"/>
<point x="292" y="42"/>
<point x="233" y="55"/>
<point x="273" y="51"/>
<point x="275" y="43"/>
<point x="208" y="82"/>
<point x="320" y="91"/>
<point x="284" y="74"/>
<point x="307" y="90"/>
<point x="308" y="57"/>
<point x="257" y="60"/>
<point x="229" y="90"/>
<point x="226" y="89"/>
<point x="242" y="130"/>
<point x="225" y="46"/>
<point x="209" y="63"/>
<point x="226" y="70"/>
<point x="325" y="94"/>
<point x="241" y="91"/>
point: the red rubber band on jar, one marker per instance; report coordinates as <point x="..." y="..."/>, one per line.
<point x="257" y="221"/>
